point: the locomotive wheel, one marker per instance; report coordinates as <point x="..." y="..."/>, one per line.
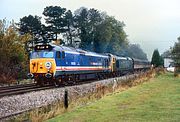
<point x="77" y="78"/>
<point x="39" y="81"/>
<point x="72" y="79"/>
<point x="56" y="83"/>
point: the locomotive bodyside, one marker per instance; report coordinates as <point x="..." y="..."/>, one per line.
<point x="59" y="64"/>
<point x="78" y="63"/>
<point x="124" y="64"/>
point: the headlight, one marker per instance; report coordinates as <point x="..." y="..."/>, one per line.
<point x="48" y="65"/>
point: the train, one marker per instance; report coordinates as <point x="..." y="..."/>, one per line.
<point x="57" y="65"/>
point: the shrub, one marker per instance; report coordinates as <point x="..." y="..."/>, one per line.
<point x="13" y="62"/>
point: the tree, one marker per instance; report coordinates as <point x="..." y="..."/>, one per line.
<point x="70" y="33"/>
<point x="99" y="32"/>
<point x="95" y="30"/>
<point x="14" y="59"/>
<point x="167" y="53"/>
<point x="95" y="20"/>
<point x="156" y="59"/>
<point x="103" y="36"/>
<point x="30" y="24"/>
<point x="82" y="26"/>
<point x="135" y="51"/>
<point x="118" y="37"/>
<point x="55" y="18"/>
<point x="113" y="46"/>
<point x="176" y="55"/>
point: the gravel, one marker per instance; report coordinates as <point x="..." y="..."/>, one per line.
<point x="11" y="105"/>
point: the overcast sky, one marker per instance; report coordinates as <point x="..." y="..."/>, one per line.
<point x="150" y="23"/>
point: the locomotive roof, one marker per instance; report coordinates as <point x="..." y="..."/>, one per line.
<point x="123" y="58"/>
<point x="77" y="51"/>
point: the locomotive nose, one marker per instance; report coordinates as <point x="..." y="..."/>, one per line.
<point x="42" y="66"/>
<point x="48" y="75"/>
<point x="48" y="65"/>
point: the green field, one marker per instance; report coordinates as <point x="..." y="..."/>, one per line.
<point x="157" y="100"/>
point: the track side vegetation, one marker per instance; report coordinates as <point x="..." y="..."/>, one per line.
<point x="13" y="56"/>
<point x="157" y="100"/>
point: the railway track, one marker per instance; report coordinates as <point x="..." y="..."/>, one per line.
<point x="20" y="89"/>
<point x="16" y="86"/>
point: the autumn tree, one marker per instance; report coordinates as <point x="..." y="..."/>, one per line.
<point x="13" y="63"/>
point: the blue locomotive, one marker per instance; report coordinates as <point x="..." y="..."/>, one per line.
<point x="60" y="64"/>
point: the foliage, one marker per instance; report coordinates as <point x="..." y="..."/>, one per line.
<point x="176" y="55"/>
<point x="13" y="63"/>
<point x="55" y="18"/>
<point x="70" y="33"/>
<point x="99" y="32"/>
<point x="83" y="28"/>
<point x="94" y="30"/>
<point x="30" y="24"/>
<point x="156" y="59"/>
<point x="134" y="50"/>
<point x="167" y="53"/>
<point x="118" y="37"/>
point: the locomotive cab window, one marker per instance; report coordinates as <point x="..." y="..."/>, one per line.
<point x="48" y="54"/>
<point x="58" y="54"/>
<point x="63" y="54"/>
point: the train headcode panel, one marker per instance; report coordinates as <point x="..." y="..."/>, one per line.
<point x="43" y="47"/>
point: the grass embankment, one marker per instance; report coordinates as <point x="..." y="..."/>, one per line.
<point x="157" y="100"/>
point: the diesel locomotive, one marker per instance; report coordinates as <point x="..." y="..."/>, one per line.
<point x="60" y="64"/>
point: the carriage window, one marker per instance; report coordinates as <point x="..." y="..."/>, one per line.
<point x="58" y="54"/>
<point x="63" y="54"/>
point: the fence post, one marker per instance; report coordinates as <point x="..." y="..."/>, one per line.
<point x="66" y="98"/>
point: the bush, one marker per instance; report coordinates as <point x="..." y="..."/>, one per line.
<point x="176" y="57"/>
<point x="13" y="63"/>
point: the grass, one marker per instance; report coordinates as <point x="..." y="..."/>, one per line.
<point x="157" y="100"/>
